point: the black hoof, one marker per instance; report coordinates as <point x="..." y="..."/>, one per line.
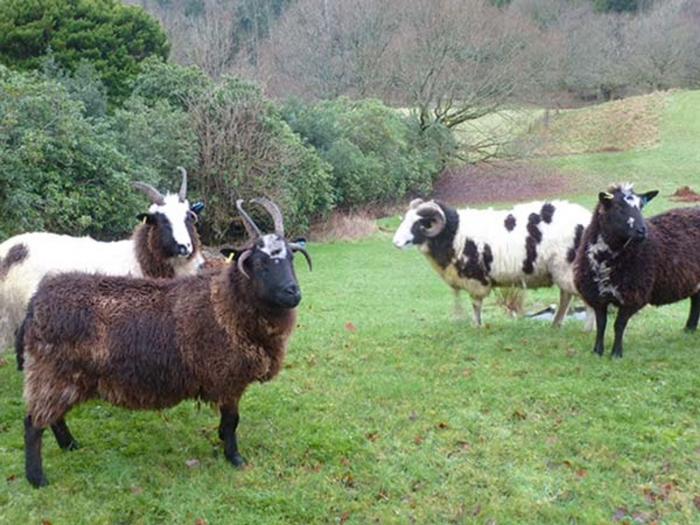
<point x="237" y="460"/>
<point x="69" y="447"/>
<point x="617" y="355"/>
<point x="37" y="481"/>
<point x="691" y="329"/>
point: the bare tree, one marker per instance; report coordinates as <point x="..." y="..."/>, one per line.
<point x="459" y="60"/>
<point x="664" y="45"/>
<point x="323" y="49"/>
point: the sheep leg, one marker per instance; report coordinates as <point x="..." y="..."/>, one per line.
<point x="692" y="323"/>
<point x="32" y="454"/>
<point x="458" y="309"/>
<point x="476" y="305"/>
<point x="623" y="315"/>
<point x="564" y="302"/>
<point x="63" y="436"/>
<point x="227" y="433"/>
<point x="601" y="319"/>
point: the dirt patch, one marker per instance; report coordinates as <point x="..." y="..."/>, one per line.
<point x="501" y="182"/>
<point x="685" y="194"/>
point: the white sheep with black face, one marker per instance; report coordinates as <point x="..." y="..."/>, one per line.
<point x="164" y="245"/>
<point x="531" y="245"/>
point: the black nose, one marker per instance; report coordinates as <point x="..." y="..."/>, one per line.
<point x="291" y="295"/>
<point x="641" y="231"/>
<point x="182" y="249"/>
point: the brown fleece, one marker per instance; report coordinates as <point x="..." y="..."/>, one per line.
<point x="148" y="344"/>
<point x="663" y="269"/>
<point x="15" y="255"/>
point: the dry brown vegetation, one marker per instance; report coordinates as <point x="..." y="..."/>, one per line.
<point x="620" y="125"/>
<point x="344" y="226"/>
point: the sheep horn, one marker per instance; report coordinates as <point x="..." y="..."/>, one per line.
<point x="295" y="247"/>
<point x="182" y="194"/>
<point x="241" y="260"/>
<point x="250" y="226"/>
<point x="152" y="193"/>
<point x="415" y="203"/>
<point x="432" y="210"/>
<point x="274" y="211"/>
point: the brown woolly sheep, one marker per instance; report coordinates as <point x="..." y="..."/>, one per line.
<point x="630" y="263"/>
<point x="150" y="344"/>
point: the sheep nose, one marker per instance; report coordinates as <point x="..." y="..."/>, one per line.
<point x="641" y="231"/>
<point x="292" y="293"/>
<point x="292" y="289"/>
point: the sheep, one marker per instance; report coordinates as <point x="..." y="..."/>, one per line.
<point x="152" y="343"/>
<point x="629" y="262"/>
<point x="531" y="245"/>
<point x="165" y="245"/>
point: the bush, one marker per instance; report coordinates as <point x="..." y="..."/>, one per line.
<point x="377" y="154"/>
<point x="247" y="150"/>
<point x="179" y="85"/>
<point x="155" y="137"/>
<point x="59" y="172"/>
<point x="113" y="37"/>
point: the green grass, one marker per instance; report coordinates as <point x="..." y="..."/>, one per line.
<point x="387" y="411"/>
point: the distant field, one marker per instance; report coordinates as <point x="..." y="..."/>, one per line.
<point x="388" y="411"/>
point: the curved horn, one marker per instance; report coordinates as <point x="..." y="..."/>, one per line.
<point x="415" y="203"/>
<point x="182" y="194"/>
<point x="241" y="259"/>
<point x="299" y="248"/>
<point x="250" y="226"/>
<point x="433" y="211"/>
<point x="152" y="193"/>
<point x="274" y="211"/>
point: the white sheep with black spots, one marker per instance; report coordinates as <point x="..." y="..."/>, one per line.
<point x="532" y="245"/>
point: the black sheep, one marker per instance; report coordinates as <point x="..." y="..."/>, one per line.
<point x="629" y="262"/>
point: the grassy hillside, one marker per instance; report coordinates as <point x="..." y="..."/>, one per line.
<point x="673" y="162"/>
<point x="387" y="411"/>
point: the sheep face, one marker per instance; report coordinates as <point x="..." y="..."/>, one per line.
<point x="620" y="213"/>
<point x="268" y="264"/>
<point x="423" y="221"/>
<point x="174" y="220"/>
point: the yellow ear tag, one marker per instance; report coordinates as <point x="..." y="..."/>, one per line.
<point x="230" y="257"/>
<point x="144" y="220"/>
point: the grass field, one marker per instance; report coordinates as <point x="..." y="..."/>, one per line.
<point x="387" y="411"/>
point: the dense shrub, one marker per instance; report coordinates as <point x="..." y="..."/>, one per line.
<point x="247" y="150"/>
<point x="113" y="37"/>
<point x="58" y="172"/>
<point x="67" y="171"/>
<point x="156" y="138"/>
<point x="163" y="81"/>
<point x="378" y="155"/>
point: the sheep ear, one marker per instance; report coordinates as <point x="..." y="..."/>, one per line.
<point x="197" y="207"/>
<point x="145" y="218"/>
<point x="229" y="253"/>
<point x="605" y="197"/>
<point x="646" y="197"/>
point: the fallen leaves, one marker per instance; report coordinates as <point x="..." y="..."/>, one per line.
<point x="3" y="362"/>
<point x="192" y="463"/>
<point x="350" y="327"/>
